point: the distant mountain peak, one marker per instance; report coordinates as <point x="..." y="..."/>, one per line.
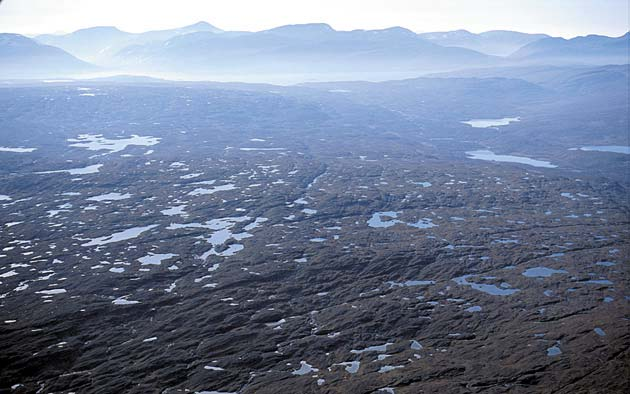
<point x="493" y="42"/>
<point x="447" y="34"/>
<point x="396" y="29"/>
<point x="15" y="39"/>
<point x="462" y="32"/>
<point x="304" y="27"/>
<point x="202" y="26"/>
<point x="100" y="30"/>
<point x="589" y="49"/>
<point x="21" y="57"/>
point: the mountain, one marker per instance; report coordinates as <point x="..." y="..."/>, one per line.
<point x="161" y="35"/>
<point x="318" y="52"/>
<point x="610" y="80"/>
<point x="88" y="43"/>
<point x="310" y="48"/>
<point x="591" y="49"/>
<point x="430" y="101"/>
<point x="22" y="57"/>
<point x="495" y="42"/>
<point x="97" y="44"/>
<point x="309" y="30"/>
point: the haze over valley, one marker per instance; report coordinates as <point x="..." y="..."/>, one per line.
<point x="292" y="53"/>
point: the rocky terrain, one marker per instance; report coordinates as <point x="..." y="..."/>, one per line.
<point x="174" y="238"/>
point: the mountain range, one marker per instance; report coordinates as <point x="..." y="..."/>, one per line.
<point x="591" y="49"/>
<point x="203" y="51"/>
<point x="96" y="44"/>
<point x="296" y="49"/>
<point x="495" y="42"/>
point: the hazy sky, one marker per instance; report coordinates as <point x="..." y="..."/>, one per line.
<point x="566" y="18"/>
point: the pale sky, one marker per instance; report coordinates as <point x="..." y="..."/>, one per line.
<point x="567" y="18"/>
